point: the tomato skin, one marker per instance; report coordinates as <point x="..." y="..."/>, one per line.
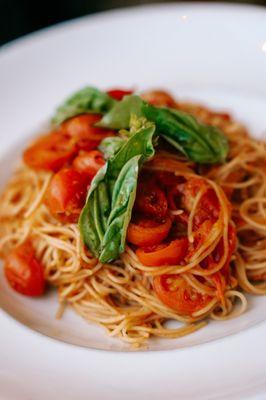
<point x="147" y="232"/>
<point x="82" y="130"/>
<point x="159" y="98"/>
<point x="51" y="152"/>
<point x="163" y="254"/>
<point x="23" y="271"/>
<point x="151" y="200"/>
<point x="181" y="297"/>
<point x="190" y="189"/>
<point x="89" y="162"/>
<point x="66" y="194"/>
<point x="118" y="94"/>
<point x="200" y="235"/>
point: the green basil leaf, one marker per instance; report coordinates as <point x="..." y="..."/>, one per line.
<point x="111" y="145"/>
<point x="119" y="115"/>
<point x="199" y="142"/>
<point x="104" y="219"/>
<point x="86" y="100"/>
<point x="92" y="215"/>
<point x="124" y="193"/>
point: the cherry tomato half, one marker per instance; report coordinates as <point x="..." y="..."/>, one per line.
<point x="23" y="271"/>
<point x="175" y="293"/>
<point x="118" y="94"/>
<point x="82" y="130"/>
<point x="159" y="98"/>
<point x="147" y="232"/>
<point x="151" y="200"/>
<point x="66" y="194"/>
<point x="164" y="253"/>
<point x="89" y="162"/>
<point x="50" y="152"/>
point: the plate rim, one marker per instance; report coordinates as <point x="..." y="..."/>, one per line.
<point x="42" y="33"/>
<point x="45" y="32"/>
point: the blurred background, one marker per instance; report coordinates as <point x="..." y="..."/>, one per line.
<point x="19" y="17"/>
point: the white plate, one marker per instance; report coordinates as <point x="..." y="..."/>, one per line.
<point x="204" y="52"/>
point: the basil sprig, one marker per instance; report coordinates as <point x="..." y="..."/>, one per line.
<point x="199" y="142"/>
<point x="104" y="219"/>
<point x="119" y="115"/>
<point x="86" y="100"/>
<point x="111" y="145"/>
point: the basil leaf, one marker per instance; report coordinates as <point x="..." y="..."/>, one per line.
<point x="124" y="193"/>
<point x="89" y="221"/>
<point x="86" y="100"/>
<point x="111" y="145"/>
<point x="119" y="116"/>
<point x="199" y="142"/>
<point x="104" y="219"/>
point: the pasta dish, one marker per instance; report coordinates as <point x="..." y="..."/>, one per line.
<point x="140" y="210"/>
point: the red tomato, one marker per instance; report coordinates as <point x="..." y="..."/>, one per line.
<point x="200" y="235"/>
<point x="151" y="200"/>
<point x="23" y="272"/>
<point x="174" y="197"/>
<point x="168" y="179"/>
<point x="175" y="293"/>
<point x="190" y="189"/>
<point x="118" y="94"/>
<point x="89" y="162"/>
<point x="50" y="152"/>
<point x="147" y="232"/>
<point x="164" y="253"/>
<point x="159" y="98"/>
<point x="82" y="130"/>
<point x="66" y="194"/>
<point x="208" y="207"/>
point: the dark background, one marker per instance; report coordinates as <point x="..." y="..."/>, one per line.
<point x="19" y="17"/>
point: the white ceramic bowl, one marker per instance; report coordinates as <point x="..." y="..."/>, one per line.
<point x="210" y="53"/>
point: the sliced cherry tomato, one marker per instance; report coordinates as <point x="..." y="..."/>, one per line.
<point x="89" y="162"/>
<point x="168" y="179"/>
<point x="66" y="194"/>
<point x="50" y="152"/>
<point x="164" y="253"/>
<point x="200" y="235"/>
<point x="190" y="189"/>
<point x="177" y="294"/>
<point x="159" y="98"/>
<point x="118" y="94"/>
<point x="23" y="271"/>
<point x="208" y="207"/>
<point x="174" y="197"/>
<point x="82" y="130"/>
<point x="151" y="200"/>
<point x="147" y="232"/>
